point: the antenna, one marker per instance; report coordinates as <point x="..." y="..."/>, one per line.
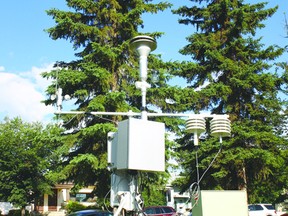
<point x="286" y="25"/>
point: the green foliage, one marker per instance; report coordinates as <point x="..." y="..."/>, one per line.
<point x="27" y="156"/>
<point x="243" y="83"/>
<point x="154" y="197"/>
<point x="153" y="187"/>
<point x="73" y="206"/>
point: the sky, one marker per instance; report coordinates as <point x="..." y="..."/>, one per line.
<point x="26" y="50"/>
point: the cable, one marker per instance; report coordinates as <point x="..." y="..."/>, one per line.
<point x="105" y="197"/>
<point x="211" y="162"/>
<point x="197" y="164"/>
<point x="194" y="188"/>
<point x="194" y="192"/>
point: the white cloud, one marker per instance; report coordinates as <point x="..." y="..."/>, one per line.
<point x="21" y="94"/>
<point x="2" y="68"/>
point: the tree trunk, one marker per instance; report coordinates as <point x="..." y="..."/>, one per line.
<point x="242" y="175"/>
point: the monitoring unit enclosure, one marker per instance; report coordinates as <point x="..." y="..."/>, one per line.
<point x="137" y="145"/>
<point x="224" y="203"/>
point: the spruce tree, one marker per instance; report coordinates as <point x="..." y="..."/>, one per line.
<point x="232" y="73"/>
<point x="102" y="78"/>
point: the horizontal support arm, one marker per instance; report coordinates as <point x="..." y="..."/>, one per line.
<point x="130" y="114"/>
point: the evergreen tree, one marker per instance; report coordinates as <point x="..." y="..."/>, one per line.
<point x="235" y="75"/>
<point x="102" y="78"/>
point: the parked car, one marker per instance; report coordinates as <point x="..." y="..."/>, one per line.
<point x="91" y="212"/>
<point x="261" y="210"/>
<point x="160" y="211"/>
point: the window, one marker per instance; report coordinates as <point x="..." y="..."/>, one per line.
<point x="81" y="197"/>
<point x="258" y="208"/>
<point x="158" y="210"/>
<point x="167" y="210"/>
<point x="269" y="207"/>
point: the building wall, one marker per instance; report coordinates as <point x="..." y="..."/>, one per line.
<point x="177" y="200"/>
<point x="57" y="201"/>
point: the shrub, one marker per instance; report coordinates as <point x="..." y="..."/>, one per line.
<point x="73" y="206"/>
<point x="17" y="212"/>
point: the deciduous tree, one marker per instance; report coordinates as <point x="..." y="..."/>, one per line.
<point x="29" y="151"/>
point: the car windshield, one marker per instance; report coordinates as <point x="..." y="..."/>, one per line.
<point x="149" y="211"/>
